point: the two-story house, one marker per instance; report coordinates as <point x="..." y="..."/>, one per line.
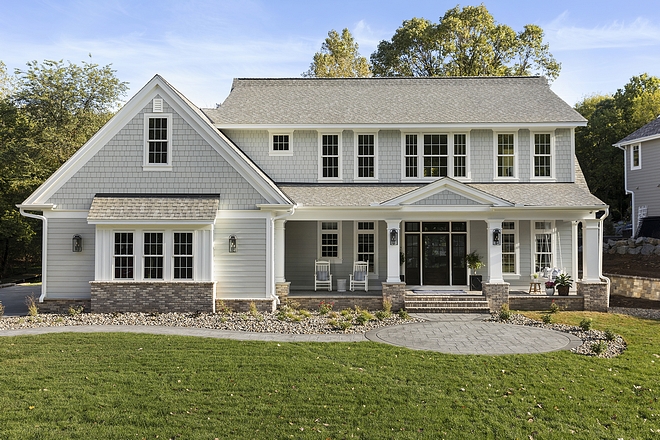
<point x="172" y="207"/>
<point x="642" y="156"/>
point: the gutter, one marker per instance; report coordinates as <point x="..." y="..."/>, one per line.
<point x="44" y="249"/>
<point x="289" y="213"/>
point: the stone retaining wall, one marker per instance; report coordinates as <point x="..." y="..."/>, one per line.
<point x="635" y="287"/>
<point x="263" y="305"/>
<point x="152" y="297"/>
<point x="633" y="246"/>
<point x="61" y="306"/>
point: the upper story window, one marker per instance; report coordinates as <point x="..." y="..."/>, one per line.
<point x="506" y="157"/>
<point x="365" y="156"/>
<point x="435" y="155"/>
<point x="330" y="157"/>
<point x="280" y="143"/>
<point x="635" y="157"/>
<point x="158" y="142"/>
<point x="542" y="155"/>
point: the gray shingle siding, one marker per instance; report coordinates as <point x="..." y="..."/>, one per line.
<point x="481" y="155"/>
<point x="644" y="182"/>
<point x="196" y="168"/>
<point x="69" y="273"/>
<point x="445" y="198"/>
<point x="563" y="155"/>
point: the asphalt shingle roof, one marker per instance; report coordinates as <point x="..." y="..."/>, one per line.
<point x="437" y="100"/>
<point x="154" y="207"/>
<point x="650" y="129"/>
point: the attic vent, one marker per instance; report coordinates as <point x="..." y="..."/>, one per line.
<point x="158" y="106"/>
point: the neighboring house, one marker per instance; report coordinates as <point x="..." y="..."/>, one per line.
<point x="642" y="159"/>
<point x="172" y="207"/>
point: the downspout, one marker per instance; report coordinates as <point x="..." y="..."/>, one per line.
<point x="289" y="213"/>
<point x="44" y="249"/>
<point x="600" y="256"/>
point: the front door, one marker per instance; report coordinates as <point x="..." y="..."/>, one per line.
<point x="435" y="259"/>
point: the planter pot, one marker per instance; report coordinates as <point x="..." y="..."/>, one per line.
<point x="563" y="290"/>
<point x="549" y="291"/>
<point x="475" y="282"/>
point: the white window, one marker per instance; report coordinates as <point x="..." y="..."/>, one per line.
<point x="365" y="243"/>
<point x="123" y="256"/>
<point x="365" y="156"/>
<point x="330" y="157"/>
<point x="183" y="256"/>
<point x="542" y="242"/>
<point x="158" y="142"/>
<point x="542" y="161"/>
<point x="439" y="155"/>
<point x="153" y="255"/>
<point x="280" y="143"/>
<point x="505" y="163"/>
<point x="330" y="241"/>
<point x="509" y="247"/>
<point x="635" y="157"/>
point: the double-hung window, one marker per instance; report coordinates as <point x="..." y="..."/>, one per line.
<point x="330" y="241"/>
<point x="183" y="256"/>
<point x="365" y="156"/>
<point x="158" y="141"/>
<point x="153" y="255"/>
<point x="123" y="255"/>
<point x="460" y="155"/>
<point x="542" y="155"/>
<point x="542" y="236"/>
<point x="635" y="157"/>
<point x="509" y="247"/>
<point x="330" y="161"/>
<point x="506" y="159"/>
<point x="411" y="155"/>
<point x="433" y="155"/>
<point x="366" y="243"/>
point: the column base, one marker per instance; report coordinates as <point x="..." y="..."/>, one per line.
<point x="596" y="296"/>
<point x="395" y="293"/>
<point x="497" y="295"/>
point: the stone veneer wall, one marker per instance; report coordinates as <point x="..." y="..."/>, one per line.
<point x="339" y="302"/>
<point x="151" y="297"/>
<point x="396" y="294"/>
<point x="497" y="295"/>
<point x="61" y="306"/>
<point x="635" y="287"/>
<point x="263" y="305"/>
<point x="282" y="290"/>
<point x="540" y="302"/>
<point x="595" y="295"/>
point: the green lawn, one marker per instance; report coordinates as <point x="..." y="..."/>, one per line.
<point x="141" y="386"/>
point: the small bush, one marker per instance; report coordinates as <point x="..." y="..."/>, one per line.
<point x="75" y="311"/>
<point x="403" y="314"/>
<point x="554" y="307"/>
<point x="363" y="317"/>
<point x="305" y="313"/>
<point x="599" y="347"/>
<point x="547" y="318"/>
<point x="382" y="315"/>
<point x="2" y="310"/>
<point x="505" y="313"/>
<point x="325" y="307"/>
<point x="222" y="308"/>
<point x="585" y="324"/>
<point x="345" y="325"/>
<point x="346" y="313"/>
<point x="292" y="304"/>
<point x="610" y="335"/>
<point x="31" y="303"/>
<point x="387" y="306"/>
<point x="253" y="309"/>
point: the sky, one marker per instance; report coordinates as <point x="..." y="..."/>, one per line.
<point x="199" y="46"/>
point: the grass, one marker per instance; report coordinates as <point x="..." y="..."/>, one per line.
<point x="145" y="386"/>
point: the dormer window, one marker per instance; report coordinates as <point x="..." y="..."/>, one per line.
<point x="158" y="139"/>
<point x="280" y="143"/>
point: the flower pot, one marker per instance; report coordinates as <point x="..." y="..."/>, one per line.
<point x="563" y="290"/>
<point x="549" y="291"/>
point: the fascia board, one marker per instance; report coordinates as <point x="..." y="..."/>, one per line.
<point x="636" y="141"/>
<point x="405" y="127"/>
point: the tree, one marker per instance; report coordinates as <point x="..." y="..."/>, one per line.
<point x="465" y="42"/>
<point x="339" y="57"/>
<point x="6" y="82"/>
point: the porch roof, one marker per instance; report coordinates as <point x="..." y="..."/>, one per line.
<point x="156" y="207"/>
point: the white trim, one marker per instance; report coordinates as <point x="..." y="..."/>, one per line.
<point x="447" y="183"/>
<point x="162" y="255"/>
<point x="622" y="145"/>
<point x="340" y="162"/>
<point x="553" y="242"/>
<point x="146" y="165"/>
<point x="632" y="156"/>
<point x="516" y="240"/>
<point x="173" y="256"/>
<point x="409" y="127"/>
<point x="287" y="152"/>
<point x="516" y="153"/>
<point x="532" y="155"/>
<point x="335" y="260"/>
<point x="373" y="231"/>
<point x="356" y="134"/>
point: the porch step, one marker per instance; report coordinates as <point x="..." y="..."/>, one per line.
<point x="446" y="304"/>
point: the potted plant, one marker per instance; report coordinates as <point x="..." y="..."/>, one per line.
<point x="474" y="262"/>
<point x="549" y="288"/>
<point x="563" y="282"/>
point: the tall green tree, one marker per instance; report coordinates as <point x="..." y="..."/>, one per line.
<point x="610" y="119"/>
<point x="339" y="57"/>
<point x="465" y="42"/>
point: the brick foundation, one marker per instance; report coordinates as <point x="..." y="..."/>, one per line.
<point x="540" y="302"/>
<point x="497" y="295"/>
<point x="264" y="305"/>
<point x="635" y="287"/>
<point x="61" y="306"/>
<point x="340" y="302"/>
<point x="396" y="293"/>
<point x="282" y="290"/>
<point x="595" y="295"/>
<point x="150" y="297"/>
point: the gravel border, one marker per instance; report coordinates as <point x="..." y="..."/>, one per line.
<point x="637" y="313"/>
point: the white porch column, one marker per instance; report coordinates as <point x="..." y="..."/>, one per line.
<point x="393" y="252"/>
<point x="575" y="269"/>
<point x="590" y="250"/>
<point x="279" y="251"/>
<point x="494" y="252"/>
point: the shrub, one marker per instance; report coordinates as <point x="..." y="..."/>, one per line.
<point x="547" y="318"/>
<point x="75" y="311"/>
<point x="2" y="310"/>
<point x="382" y="315"/>
<point x="345" y="325"/>
<point x="610" y="335"/>
<point x="554" y="307"/>
<point x="31" y="303"/>
<point x="363" y="317"/>
<point x="585" y="324"/>
<point x="305" y="313"/>
<point x="325" y="307"/>
<point x="387" y="306"/>
<point x="346" y="313"/>
<point x="403" y="314"/>
<point x="253" y="309"/>
<point x="599" y="347"/>
<point x="505" y="313"/>
<point x="221" y="307"/>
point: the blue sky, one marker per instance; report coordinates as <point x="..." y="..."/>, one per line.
<point x="201" y="45"/>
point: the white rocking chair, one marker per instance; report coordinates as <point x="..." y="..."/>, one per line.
<point x="322" y="275"/>
<point x="360" y="275"/>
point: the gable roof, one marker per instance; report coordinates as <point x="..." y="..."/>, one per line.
<point x="156" y="207"/>
<point x="468" y="192"/>
<point x="158" y="86"/>
<point x="351" y="102"/>
<point x="647" y="132"/>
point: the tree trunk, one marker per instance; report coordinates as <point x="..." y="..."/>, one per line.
<point x="5" y="257"/>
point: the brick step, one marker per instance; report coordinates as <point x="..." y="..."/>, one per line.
<point x="446" y="304"/>
<point x="447" y="310"/>
<point x="448" y="298"/>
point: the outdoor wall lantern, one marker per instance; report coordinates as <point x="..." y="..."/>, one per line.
<point x="497" y="234"/>
<point x="76" y="243"/>
<point x="394" y="237"/>
<point x="232" y="244"/>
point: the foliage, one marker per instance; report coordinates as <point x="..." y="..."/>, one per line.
<point x="76" y="311"/>
<point x="387" y="306"/>
<point x="599" y="347"/>
<point x="610" y="335"/>
<point x="31" y="304"/>
<point x="465" y="42"/>
<point x="403" y="314"/>
<point x="563" y="280"/>
<point x="585" y="324"/>
<point x="2" y="310"/>
<point x="473" y="261"/>
<point x="546" y="318"/>
<point x="505" y="312"/>
<point x="554" y="307"/>
<point x="339" y="57"/>
<point x="253" y="309"/>
<point x="363" y="317"/>
<point x="325" y="307"/>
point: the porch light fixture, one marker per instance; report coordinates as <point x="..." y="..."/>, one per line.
<point x="497" y="234"/>
<point x="232" y="244"/>
<point x="76" y="245"/>
<point x="394" y="237"/>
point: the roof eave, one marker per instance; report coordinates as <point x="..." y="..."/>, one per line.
<point x="406" y="126"/>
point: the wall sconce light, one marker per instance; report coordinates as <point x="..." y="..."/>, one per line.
<point x="497" y="234"/>
<point x="394" y="237"/>
<point x="76" y="245"/>
<point x="232" y="244"/>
